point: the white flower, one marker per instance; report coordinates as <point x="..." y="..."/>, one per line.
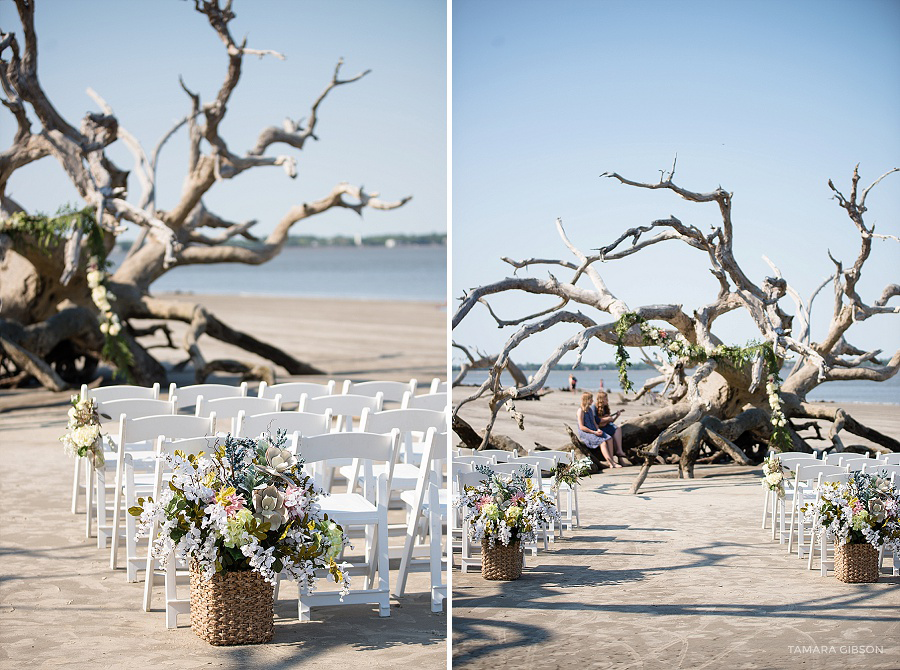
<point x="114" y="329"/>
<point x="104" y="327"/>
<point x="94" y="277"/>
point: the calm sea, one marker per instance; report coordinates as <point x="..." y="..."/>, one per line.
<point x="417" y="273"/>
<point x="887" y="392"/>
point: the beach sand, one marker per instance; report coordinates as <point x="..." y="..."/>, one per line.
<point x="61" y="605"/>
<point x="679" y="576"/>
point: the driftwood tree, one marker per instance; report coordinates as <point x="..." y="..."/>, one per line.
<point x="50" y="327"/>
<point x="726" y="401"/>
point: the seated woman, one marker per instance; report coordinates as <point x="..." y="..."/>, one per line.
<point x="603" y="419"/>
<point x="590" y="433"/>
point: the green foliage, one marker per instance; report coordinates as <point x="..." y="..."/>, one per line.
<point x="50" y="231"/>
<point x="739" y="358"/>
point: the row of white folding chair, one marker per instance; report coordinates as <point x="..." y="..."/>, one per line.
<point x="187" y="396"/>
<point x="806" y="479"/>
<point x="100" y="480"/>
<point x="843" y="457"/>
<point x="142" y="433"/>
<point x="427" y="502"/>
<point x="230" y="409"/>
<point x="104" y="394"/>
<point x="773" y="506"/>
<point x="436" y="401"/>
<point x="412" y="423"/>
<point x="344" y="407"/>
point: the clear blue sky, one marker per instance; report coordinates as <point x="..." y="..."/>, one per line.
<point x="386" y="132"/>
<point x="767" y="99"/>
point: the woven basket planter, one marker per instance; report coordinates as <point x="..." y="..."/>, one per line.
<point x="499" y="562"/>
<point x="856" y="563"/>
<point x="232" y="608"/>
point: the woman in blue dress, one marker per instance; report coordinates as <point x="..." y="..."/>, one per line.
<point x="603" y="419"/>
<point x="589" y="432"/>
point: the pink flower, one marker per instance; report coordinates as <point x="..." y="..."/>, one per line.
<point x="233" y="504"/>
<point x="663" y="334"/>
<point x="517" y="498"/>
<point x="482" y="501"/>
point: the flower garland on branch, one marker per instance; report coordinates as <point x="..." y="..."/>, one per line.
<point x="49" y="231"/>
<point x="675" y="346"/>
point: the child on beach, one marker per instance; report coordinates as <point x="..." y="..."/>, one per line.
<point x="589" y="432"/>
<point x="603" y="419"/>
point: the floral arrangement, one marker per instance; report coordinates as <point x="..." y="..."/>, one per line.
<point x="775" y="474"/>
<point x="246" y="506"/>
<point x="570" y="473"/>
<point x="865" y="509"/>
<point x="506" y="508"/>
<point x="83" y="437"/>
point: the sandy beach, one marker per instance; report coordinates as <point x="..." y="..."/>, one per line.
<point x="679" y="576"/>
<point x="62" y="606"/>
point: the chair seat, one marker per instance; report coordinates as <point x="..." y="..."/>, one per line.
<point x="408" y="497"/>
<point x="349" y="508"/>
<point x="405" y="475"/>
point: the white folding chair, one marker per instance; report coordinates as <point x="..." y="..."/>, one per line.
<point x="437" y="386"/>
<point x="143" y="433"/>
<point x="475" y="460"/>
<point x="173" y="604"/>
<point x="418" y="506"/>
<point x="824" y="562"/>
<point x="499" y="455"/>
<point x="186" y="396"/>
<point x="352" y="509"/>
<point x="436" y="401"/>
<point x="345" y="407"/>
<point x="806" y="480"/>
<point x="290" y="392"/>
<point x="890" y="459"/>
<point x="439" y="558"/>
<point x="230" y="408"/>
<point x="390" y="391"/>
<point x="772" y="502"/>
<point x="467" y="559"/>
<point x="304" y="423"/>
<point x="547" y="460"/>
<point x="105" y="393"/>
<point x="110" y="413"/>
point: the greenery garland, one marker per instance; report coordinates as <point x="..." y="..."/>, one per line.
<point x="49" y="231"/>
<point x="693" y="354"/>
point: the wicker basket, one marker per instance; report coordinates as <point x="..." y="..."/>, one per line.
<point x="856" y="563"/>
<point x="499" y="562"/>
<point x="232" y="608"/>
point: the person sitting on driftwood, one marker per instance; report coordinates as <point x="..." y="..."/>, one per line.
<point x="603" y="419"/>
<point x="589" y="432"/>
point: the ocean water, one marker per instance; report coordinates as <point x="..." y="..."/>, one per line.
<point x="415" y="273"/>
<point x="887" y="392"/>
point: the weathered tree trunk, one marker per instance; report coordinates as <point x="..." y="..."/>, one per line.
<point x="38" y="272"/>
